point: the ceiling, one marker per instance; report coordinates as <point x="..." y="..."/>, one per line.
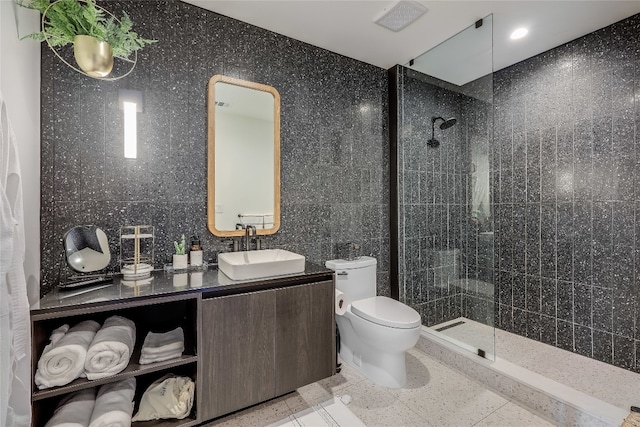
<point x="347" y="27"/>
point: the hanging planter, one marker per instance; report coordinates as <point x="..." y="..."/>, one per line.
<point x="93" y="56"/>
<point x="96" y="34"/>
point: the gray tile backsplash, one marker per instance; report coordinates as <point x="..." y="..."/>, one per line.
<point x="334" y="140"/>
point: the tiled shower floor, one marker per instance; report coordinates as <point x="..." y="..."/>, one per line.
<point x="608" y="383"/>
<point x="435" y="396"/>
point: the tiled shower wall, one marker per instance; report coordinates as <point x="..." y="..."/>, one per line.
<point x="567" y="195"/>
<point x="446" y="263"/>
<point x="478" y="247"/>
<point x="334" y="140"/>
<point x="430" y="190"/>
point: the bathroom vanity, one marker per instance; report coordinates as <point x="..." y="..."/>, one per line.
<point x="245" y="341"/>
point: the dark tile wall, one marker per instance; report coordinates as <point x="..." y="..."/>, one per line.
<point x="567" y="200"/>
<point x="334" y="140"/>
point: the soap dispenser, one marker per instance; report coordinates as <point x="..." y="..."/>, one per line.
<point x="195" y="253"/>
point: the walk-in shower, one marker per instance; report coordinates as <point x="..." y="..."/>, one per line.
<point x="445" y="229"/>
<point x="511" y="226"/>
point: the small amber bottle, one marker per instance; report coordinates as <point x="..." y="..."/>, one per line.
<point x="195" y="253"/>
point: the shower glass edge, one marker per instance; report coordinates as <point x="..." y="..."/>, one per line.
<point x="445" y="199"/>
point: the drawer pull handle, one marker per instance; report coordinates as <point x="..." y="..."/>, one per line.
<point x="343" y="273"/>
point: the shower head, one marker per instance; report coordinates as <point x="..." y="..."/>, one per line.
<point x="446" y="124"/>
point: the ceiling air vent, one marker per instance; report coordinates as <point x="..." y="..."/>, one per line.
<point x="400" y="15"/>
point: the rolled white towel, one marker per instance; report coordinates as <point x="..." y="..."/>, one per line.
<point x="62" y="360"/>
<point x="163" y="342"/>
<point x="74" y="410"/>
<point x="111" y="349"/>
<point x="114" y="404"/>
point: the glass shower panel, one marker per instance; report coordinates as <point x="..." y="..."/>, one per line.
<point x="445" y="204"/>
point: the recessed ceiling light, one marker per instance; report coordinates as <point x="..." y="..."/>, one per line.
<point x="519" y="33"/>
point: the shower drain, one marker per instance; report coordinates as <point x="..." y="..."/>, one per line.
<point x="452" y="325"/>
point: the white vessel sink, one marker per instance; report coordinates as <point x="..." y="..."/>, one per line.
<point x="258" y="264"/>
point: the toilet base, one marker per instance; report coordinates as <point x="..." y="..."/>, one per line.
<point x="387" y="369"/>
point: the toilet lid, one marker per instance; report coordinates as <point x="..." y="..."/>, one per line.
<point x="387" y="312"/>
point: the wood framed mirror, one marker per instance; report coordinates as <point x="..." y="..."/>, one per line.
<point x="243" y="165"/>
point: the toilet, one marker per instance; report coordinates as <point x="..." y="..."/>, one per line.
<point x="375" y="331"/>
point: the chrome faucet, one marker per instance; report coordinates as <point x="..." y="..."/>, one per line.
<point x="249" y="230"/>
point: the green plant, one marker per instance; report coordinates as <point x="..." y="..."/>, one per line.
<point x="66" y="19"/>
<point x="180" y="247"/>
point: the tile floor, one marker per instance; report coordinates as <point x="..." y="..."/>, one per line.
<point x="435" y="396"/>
<point x="609" y="383"/>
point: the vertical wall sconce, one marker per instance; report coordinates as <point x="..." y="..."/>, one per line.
<point x="131" y="104"/>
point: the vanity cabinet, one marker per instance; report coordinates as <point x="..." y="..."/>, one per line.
<point x="275" y="341"/>
<point x="245" y="342"/>
<point x="152" y="314"/>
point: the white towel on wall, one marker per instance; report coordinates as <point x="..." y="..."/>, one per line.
<point x="6" y="336"/>
<point x="74" y="410"/>
<point x="260" y="221"/>
<point x="111" y="349"/>
<point x="62" y="360"/>
<point x="114" y="404"/>
<point x="15" y="332"/>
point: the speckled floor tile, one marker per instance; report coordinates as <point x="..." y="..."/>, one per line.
<point x="318" y="392"/>
<point x="511" y="415"/>
<point x="434" y="396"/>
<point x="331" y="413"/>
<point x="443" y="396"/>
<point x="377" y="407"/>
<point x="259" y="415"/>
<point x="606" y="382"/>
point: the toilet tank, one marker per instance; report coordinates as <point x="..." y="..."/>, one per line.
<point x="355" y="278"/>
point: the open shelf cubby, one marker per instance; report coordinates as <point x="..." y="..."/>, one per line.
<point x="153" y="314"/>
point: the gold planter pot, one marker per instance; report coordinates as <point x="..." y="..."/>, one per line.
<point x="93" y="56"/>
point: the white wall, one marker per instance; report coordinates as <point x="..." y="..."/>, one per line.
<point x="20" y="86"/>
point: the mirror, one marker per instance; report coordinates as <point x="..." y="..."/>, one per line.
<point x="243" y="157"/>
<point x="86" y="248"/>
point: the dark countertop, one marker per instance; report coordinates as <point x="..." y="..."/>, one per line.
<point x="210" y="282"/>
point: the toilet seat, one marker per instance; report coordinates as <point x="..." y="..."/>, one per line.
<point x="386" y="312"/>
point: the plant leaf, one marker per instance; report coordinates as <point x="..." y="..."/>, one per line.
<point x="66" y="19"/>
